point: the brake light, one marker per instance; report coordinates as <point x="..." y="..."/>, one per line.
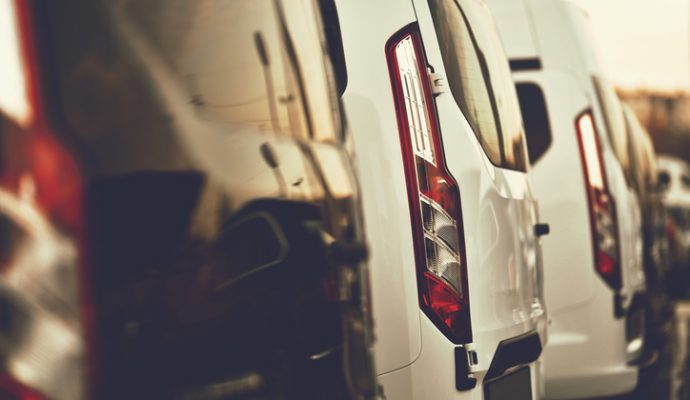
<point x="671" y="231"/>
<point x="10" y="389"/>
<point x="602" y="207"/>
<point x="58" y="184"/>
<point x="433" y="194"/>
<point x="41" y="180"/>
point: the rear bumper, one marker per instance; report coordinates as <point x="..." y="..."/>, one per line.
<point x="433" y="374"/>
<point x="588" y="353"/>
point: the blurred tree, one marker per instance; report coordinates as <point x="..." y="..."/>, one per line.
<point x="667" y="117"/>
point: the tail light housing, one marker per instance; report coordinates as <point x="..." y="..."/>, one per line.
<point x="11" y="389"/>
<point x="602" y="207"/>
<point x="433" y="194"/>
<point x="671" y="231"/>
<point x="40" y="178"/>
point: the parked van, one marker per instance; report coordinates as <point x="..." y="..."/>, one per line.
<point x="674" y="179"/>
<point x="451" y="218"/>
<point x="646" y="183"/>
<point x="178" y="209"/>
<point x="659" y="311"/>
<point x="577" y="144"/>
<point x="674" y="182"/>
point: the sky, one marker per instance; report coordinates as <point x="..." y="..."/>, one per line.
<point x="644" y="42"/>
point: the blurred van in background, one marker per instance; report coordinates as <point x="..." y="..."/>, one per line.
<point x="646" y="182"/>
<point x="659" y="327"/>
<point x="674" y="182"/>
<point x="179" y="214"/>
<point x="577" y="142"/>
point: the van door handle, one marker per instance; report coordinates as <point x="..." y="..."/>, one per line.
<point x="541" y="229"/>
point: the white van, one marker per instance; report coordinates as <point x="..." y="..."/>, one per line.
<point x="450" y="213"/>
<point x="578" y="148"/>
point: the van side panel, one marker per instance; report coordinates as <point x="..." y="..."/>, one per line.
<point x="568" y="259"/>
<point x="368" y="99"/>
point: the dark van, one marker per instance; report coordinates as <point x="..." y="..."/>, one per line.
<point x="178" y="212"/>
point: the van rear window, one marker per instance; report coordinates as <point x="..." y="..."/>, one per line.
<point x="465" y="72"/>
<point x="479" y="79"/>
<point x="615" y="123"/>
<point x="535" y="118"/>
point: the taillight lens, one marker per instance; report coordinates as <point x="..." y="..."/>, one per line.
<point x="671" y="231"/>
<point x="433" y="194"/>
<point x="57" y="179"/>
<point x="41" y="190"/>
<point x="10" y="389"/>
<point x="601" y="205"/>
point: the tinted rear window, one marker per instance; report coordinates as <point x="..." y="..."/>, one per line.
<point x="615" y="123"/>
<point x="480" y="80"/>
<point x="536" y="119"/>
<point x="641" y="153"/>
<point x="466" y="75"/>
<point x="664" y="180"/>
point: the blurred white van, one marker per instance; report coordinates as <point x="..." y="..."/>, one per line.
<point x="578" y="147"/>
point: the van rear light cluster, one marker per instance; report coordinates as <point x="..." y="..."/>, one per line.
<point x="434" y="196"/>
<point x="40" y="178"/>
<point x="10" y="389"/>
<point x="601" y="206"/>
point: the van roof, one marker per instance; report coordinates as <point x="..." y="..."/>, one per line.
<point x="556" y="32"/>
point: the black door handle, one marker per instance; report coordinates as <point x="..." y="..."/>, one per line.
<point x="541" y="229"/>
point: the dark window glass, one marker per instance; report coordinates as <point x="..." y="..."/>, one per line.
<point x="685" y="180"/>
<point x="664" y="180"/>
<point x="650" y="155"/>
<point x="466" y="75"/>
<point x="536" y="119"/>
<point x="334" y="39"/>
<point x="635" y="152"/>
<point x="615" y="123"/>
<point x="480" y="81"/>
<point x="642" y="158"/>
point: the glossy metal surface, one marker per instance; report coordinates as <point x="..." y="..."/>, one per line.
<point x="223" y="235"/>
<point x="414" y="359"/>
<point x="586" y="354"/>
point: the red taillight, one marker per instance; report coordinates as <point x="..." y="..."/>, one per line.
<point x="601" y="205"/>
<point x="433" y="194"/>
<point x="58" y="181"/>
<point x="671" y="231"/>
<point x="10" y="389"/>
<point x="41" y="179"/>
